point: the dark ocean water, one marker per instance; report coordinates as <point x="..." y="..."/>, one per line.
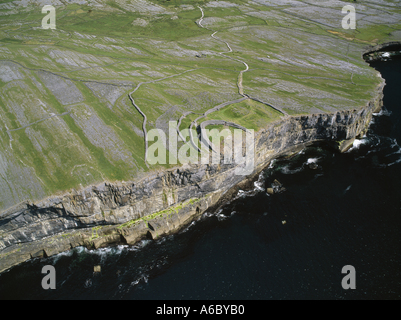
<point x="345" y="212"/>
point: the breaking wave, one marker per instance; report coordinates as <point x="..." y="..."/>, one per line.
<point x="287" y="169"/>
<point x="381" y="151"/>
<point x="357" y="143"/>
<point x="142" y="278"/>
<point x="312" y="160"/>
<point x="58" y="256"/>
<point x="383" y="112"/>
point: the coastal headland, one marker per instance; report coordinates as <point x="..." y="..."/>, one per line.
<point x="77" y="103"/>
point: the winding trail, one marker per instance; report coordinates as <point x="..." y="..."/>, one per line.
<point x="179" y="122"/>
<point x="40" y="120"/>
<point x="218" y="107"/>
<point x="215" y="108"/>
<point x="203" y="125"/>
<point x="142" y="113"/>
<point x="222" y="105"/>
<point x="239" y="81"/>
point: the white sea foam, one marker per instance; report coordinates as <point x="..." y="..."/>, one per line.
<point x="258" y="186"/>
<point x="394" y="143"/>
<point x="286" y="170"/>
<point x="143" y="243"/>
<point x="395" y="162"/>
<point x="165" y="238"/>
<point x="357" y="143"/>
<point x="383" y="112"/>
<point x="80" y="249"/>
<point x="312" y="160"/>
<point x="57" y="257"/>
<point x="88" y="283"/>
<point x="142" y="277"/>
<point x="103" y="252"/>
<point x="187" y="228"/>
<point x="244" y="194"/>
<point x="271" y="164"/>
<point x="137" y="246"/>
<point x="259" y="183"/>
<point x="208" y="214"/>
<point x="384" y="148"/>
<point x="221" y="217"/>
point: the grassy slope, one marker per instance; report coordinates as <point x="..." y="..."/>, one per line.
<point x="297" y="64"/>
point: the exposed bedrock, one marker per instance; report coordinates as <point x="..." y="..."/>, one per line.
<point x="163" y="202"/>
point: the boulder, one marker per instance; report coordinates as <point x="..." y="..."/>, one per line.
<point x="135" y="233"/>
<point x="313" y="166"/>
<point x="39" y="254"/>
<point x="105" y="241"/>
<point x="277" y="187"/>
<point x="277" y="183"/>
<point x="13" y="259"/>
<point x="158" y="227"/>
<point x="57" y="247"/>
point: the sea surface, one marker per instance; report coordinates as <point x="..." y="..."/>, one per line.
<point x="291" y="245"/>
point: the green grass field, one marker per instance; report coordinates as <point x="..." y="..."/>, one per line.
<point x="97" y="55"/>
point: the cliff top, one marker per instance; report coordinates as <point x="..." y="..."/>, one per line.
<point x="75" y="101"/>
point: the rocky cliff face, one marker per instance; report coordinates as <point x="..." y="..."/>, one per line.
<point x="162" y="202"/>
